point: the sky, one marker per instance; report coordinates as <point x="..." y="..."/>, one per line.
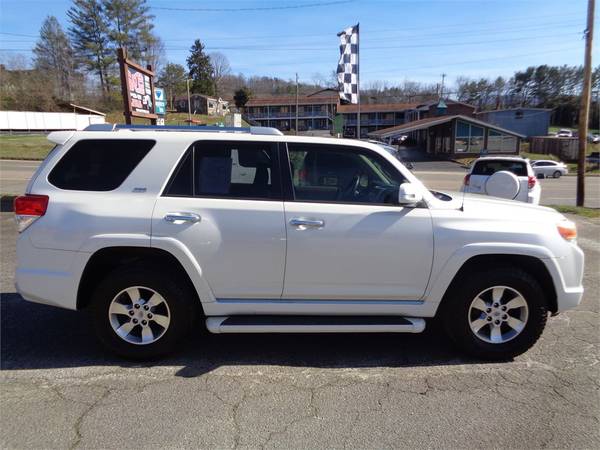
<point x="399" y="40"/>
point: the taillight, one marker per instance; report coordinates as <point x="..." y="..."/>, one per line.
<point x="531" y="182"/>
<point x="29" y="208"/>
<point x="466" y="180"/>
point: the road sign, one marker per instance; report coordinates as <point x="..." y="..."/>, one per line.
<point x="160" y="101"/>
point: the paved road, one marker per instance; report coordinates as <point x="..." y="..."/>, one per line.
<point x="59" y="389"/>
<point x="14" y="175"/>
<point x="442" y="175"/>
<point x="561" y="191"/>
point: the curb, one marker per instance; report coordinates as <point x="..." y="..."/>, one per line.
<point x="7" y="203"/>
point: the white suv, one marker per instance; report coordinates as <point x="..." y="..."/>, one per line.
<point x="256" y="232"/>
<point x="506" y="177"/>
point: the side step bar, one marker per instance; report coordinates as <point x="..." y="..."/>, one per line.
<point x="314" y="324"/>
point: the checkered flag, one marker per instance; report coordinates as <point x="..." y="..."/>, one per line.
<point x="347" y="70"/>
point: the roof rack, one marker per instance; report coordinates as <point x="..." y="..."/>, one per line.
<point x="194" y="129"/>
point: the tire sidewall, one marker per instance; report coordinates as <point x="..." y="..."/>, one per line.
<point x="456" y="314"/>
<point x="174" y="293"/>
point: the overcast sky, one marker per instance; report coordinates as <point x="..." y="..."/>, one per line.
<point x="414" y="40"/>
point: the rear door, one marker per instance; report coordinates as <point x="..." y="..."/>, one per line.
<point x="224" y="204"/>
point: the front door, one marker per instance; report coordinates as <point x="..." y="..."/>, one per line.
<point x="347" y="239"/>
<point x="224" y="205"/>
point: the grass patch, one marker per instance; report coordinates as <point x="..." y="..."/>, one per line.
<point x="24" y="146"/>
<point x="170" y="119"/>
<point x="37" y="147"/>
<point x="579" y="210"/>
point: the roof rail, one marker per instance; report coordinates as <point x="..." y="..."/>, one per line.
<point x="193" y="129"/>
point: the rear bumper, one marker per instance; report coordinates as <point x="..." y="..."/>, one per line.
<point x="50" y="277"/>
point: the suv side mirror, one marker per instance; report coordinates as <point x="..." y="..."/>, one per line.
<point x="408" y="194"/>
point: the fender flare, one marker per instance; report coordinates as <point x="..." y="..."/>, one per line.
<point x="169" y="245"/>
<point x="448" y="271"/>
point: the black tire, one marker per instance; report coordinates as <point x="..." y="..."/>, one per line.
<point x="455" y="312"/>
<point x="176" y="293"/>
<point x="557" y="174"/>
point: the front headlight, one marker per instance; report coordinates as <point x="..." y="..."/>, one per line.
<point x="568" y="230"/>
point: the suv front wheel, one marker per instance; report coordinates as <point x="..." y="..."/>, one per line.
<point x="142" y="312"/>
<point x="496" y="314"/>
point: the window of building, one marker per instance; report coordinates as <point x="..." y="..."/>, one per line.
<point x="469" y="138"/>
<point x="99" y="164"/>
<point x="227" y="170"/>
<point x="322" y="173"/>
<point x="501" y="142"/>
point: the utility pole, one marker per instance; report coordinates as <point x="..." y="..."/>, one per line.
<point x="442" y="86"/>
<point x="584" y="110"/>
<point x="296" y="103"/>
<point x="187" y="83"/>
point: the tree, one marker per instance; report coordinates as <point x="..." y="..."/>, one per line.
<point x="200" y="70"/>
<point x="242" y="96"/>
<point x="54" y="56"/>
<point x="90" y="39"/>
<point x="172" y="78"/>
<point x="130" y="26"/>
<point x="221" y="69"/>
<point x="153" y="54"/>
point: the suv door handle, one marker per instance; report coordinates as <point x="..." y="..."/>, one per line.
<point x="303" y="223"/>
<point x="182" y="217"/>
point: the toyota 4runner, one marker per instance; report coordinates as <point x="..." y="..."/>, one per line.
<point x="153" y="228"/>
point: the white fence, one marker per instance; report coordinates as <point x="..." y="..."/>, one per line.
<point x="40" y="121"/>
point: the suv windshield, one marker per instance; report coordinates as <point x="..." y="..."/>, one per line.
<point x="519" y="168"/>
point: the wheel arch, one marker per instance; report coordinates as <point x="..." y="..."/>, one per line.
<point x="531" y="264"/>
<point x="107" y="259"/>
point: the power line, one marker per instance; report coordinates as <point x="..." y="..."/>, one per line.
<point x="254" y="8"/>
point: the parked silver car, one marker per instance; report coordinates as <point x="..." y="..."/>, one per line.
<point x="547" y="168"/>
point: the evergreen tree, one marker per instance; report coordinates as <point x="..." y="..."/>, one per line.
<point x="200" y="70"/>
<point x="54" y="57"/>
<point x="90" y="39"/>
<point x="130" y="26"/>
<point x="172" y="79"/>
<point x="242" y="96"/>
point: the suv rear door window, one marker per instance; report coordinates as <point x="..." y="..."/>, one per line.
<point x="228" y="169"/>
<point x="519" y="168"/>
<point x="98" y="164"/>
<point x="322" y="173"/>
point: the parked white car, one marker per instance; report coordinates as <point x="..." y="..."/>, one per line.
<point x="151" y="228"/>
<point x="549" y="168"/>
<point x="564" y="133"/>
<point x="506" y="177"/>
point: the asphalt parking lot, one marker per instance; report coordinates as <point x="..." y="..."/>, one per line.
<point x="59" y="389"/>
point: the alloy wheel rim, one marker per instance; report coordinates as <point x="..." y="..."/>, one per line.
<point x="498" y="314"/>
<point x="139" y="315"/>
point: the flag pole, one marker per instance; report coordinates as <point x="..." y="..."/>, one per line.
<point x="358" y="79"/>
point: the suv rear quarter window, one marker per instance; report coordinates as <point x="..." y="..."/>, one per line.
<point x="98" y="164"/>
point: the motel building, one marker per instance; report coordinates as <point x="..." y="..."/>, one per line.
<point x="454" y="135"/>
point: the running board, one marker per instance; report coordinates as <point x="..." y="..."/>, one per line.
<point x="314" y="324"/>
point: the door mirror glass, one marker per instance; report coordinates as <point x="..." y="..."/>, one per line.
<point x="408" y="194"/>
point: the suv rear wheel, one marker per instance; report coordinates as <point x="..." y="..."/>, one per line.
<point x="496" y="314"/>
<point x="142" y="312"/>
